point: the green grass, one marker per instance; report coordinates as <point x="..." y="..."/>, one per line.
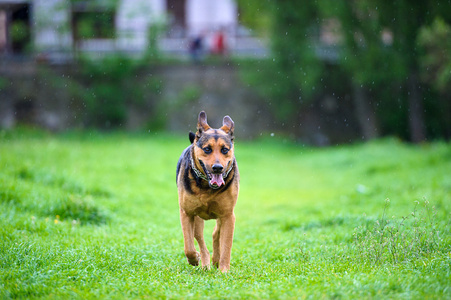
<point x="88" y="215"/>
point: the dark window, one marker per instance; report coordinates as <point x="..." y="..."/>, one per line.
<point x="93" y="22"/>
<point x="177" y="19"/>
<point x="19" y="29"/>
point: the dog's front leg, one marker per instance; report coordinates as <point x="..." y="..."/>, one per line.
<point x="199" y="236"/>
<point x="216" y="248"/>
<point x="188" y="237"/>
<point x="225" y="241"/>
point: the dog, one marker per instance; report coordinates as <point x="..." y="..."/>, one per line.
<point x="208" y="185"/>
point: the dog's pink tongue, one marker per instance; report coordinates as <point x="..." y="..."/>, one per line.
<point x="216" y="179"/>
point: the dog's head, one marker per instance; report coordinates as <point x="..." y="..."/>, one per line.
<point x="213" y="149"/>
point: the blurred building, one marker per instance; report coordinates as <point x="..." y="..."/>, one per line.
<point x="15" y="31"/>
<point x="56" y="29"/>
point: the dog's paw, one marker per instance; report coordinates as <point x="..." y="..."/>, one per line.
<point x="215" y="261"/>
<point x="194" y="259"/>
<point x="216" y="264"/>
<point x="224" y="269"/>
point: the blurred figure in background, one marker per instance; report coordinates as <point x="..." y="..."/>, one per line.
<point x="219" y="45"/>
<point x="196" y="48"/>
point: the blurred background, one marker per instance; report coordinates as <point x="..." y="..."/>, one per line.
<point x="319" y="72"/>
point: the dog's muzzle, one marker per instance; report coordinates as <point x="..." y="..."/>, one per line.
<point x="217" y="168"/>
<point x="216" y="178"/>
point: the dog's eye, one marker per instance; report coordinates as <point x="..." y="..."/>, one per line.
<point x="224" y="150"/>
<point x="207" y="150"/>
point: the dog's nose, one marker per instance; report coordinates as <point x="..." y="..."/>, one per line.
<point x="217" y="168"/>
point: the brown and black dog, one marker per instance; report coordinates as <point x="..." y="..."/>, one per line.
<point x="208" y="184"/>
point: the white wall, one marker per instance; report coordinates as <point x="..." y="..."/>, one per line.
<point x="133" y="20"/>
<point x="51" y="24"/>
<point x="208" y="15"/>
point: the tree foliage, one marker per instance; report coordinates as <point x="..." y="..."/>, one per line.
<point x="383" y="47"/>
<point x="256" y="15"/>
<point x="435" y="59"/>
<point x="288" y="79"/>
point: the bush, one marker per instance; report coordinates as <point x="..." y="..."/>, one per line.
<point x="395" y="241"/>
<point x="110" y="86"/>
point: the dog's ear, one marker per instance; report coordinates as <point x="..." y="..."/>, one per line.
<point x="202" y="124"/>
<point x="227" y="125"/>
<point x="191" y="136"/>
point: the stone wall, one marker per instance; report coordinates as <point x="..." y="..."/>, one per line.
<point x="43" y="96"/>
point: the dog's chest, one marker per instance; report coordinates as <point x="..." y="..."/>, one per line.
<point x="205" y="208"/>
<point x="207" y="212"/>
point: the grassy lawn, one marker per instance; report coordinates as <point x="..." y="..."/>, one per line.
<point x="96" y="216"/>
